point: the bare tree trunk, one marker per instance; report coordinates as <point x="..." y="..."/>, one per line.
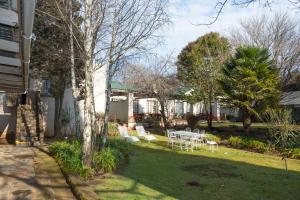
<point x="107" y="108"/>
<point x="247" y="122"/>
<point x="73" y="76"/>
<point x="88" y="66"/>
<point x="210" y="114"/>
<point x="163" y="113"/>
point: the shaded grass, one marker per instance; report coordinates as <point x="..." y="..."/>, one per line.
<point x="157" y="172"/>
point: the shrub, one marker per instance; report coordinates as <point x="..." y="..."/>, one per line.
<point x="108" y="159"/>
<point x="257" y="145"/>
<point x="235" y="141"/>
<point x="215" y="138"/>
<point x="121" y="145"/>
<point x="242" y="142"/>
<point x="70" y="155"/>
<point x="293" y="153"/>
<point x="113" y="129"/>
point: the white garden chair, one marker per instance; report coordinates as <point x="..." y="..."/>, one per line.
<point x="143" y="134"/>
<point x="124" y="134"/>
<point x="186" y="142"/>
<point x="171" y="137"/>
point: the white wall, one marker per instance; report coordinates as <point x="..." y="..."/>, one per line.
<point x="68" y="107"/>
<point x="99" y="89"/>
<point x="48" y="112"/>
<point x="119" y="110"/>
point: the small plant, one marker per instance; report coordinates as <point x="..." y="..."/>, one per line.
<point x="108" y="159"/>
<point x="113" y="129"/>
<point x="235" y="141"/>
<point x="283" y="130"/>
<point x="69" y="154"/>
<point x="215" y="138"/>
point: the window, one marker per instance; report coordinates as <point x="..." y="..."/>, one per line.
<point x="152" y="107"/>
<point x="46" y="87"/>
<point x="1" y="102"/>
<point x="136" y="106"/>
<point x="179" y="108"/>
<point x="5" y="4"/>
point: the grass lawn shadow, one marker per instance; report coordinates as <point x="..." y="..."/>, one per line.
<point x="157" y="172"/>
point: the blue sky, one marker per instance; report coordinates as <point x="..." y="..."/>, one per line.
<point x="186" y="12"/>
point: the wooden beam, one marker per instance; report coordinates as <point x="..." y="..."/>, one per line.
<point x="10" y="70"/>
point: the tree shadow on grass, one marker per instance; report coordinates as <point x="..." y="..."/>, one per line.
<point x="174" y="174"/>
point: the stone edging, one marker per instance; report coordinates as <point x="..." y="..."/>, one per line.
<point x="71" y="180"/>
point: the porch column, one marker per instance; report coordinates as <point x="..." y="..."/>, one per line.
<point x="130" y="99"/>
<point x="217" y="110"/>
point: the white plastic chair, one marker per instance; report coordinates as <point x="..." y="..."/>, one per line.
<point x="124" y="134"/>
<point x="186" y="143"/>
<point x="171" y="137"/>
<point x="143" y="134"/>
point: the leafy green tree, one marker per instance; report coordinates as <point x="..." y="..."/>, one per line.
<point x="51" y="50"/>
<point x="250" y="82"/>
<point x="199" y="67"/>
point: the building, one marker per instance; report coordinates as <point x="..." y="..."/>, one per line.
<point x="129" y="106"/>
<point x="16" y="23"/>
<point x="292" y="100"/>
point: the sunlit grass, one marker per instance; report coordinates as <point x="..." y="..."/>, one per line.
<point x="158" y="172"/>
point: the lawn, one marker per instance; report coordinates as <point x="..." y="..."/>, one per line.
<point x="157" y="172"/>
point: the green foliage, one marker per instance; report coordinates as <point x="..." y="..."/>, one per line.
<point x="243" y="142"/>
<point x="121" y="145"/>
<point x="113" y="129"/>
<point x="70" y="155"/>
<point x="235" y="141"/>
<point x="199" y="67"/>
<point x="292" y="153"/>
<point x="250" y="82"/>
<point x="283" y="130"/>
<point x="215" y="138"/>
<point x="108" y="159"/>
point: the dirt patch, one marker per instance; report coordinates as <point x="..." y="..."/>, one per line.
<point x="194" y="184"/>
<point x="218" y="170"/>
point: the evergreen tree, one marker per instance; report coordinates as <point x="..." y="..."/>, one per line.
<point x="250" y="82"/>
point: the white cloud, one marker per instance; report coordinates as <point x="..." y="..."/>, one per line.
<point x="186" y="12"/>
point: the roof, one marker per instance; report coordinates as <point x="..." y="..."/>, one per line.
<point x="183" y="91"/>
<point x="290" y="98"/>
<point x="116" y="85"/>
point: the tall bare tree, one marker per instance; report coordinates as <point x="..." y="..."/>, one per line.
<point x="131" y="25"/>
<point x="279" y="34"/>
<point x="157" y="80"/>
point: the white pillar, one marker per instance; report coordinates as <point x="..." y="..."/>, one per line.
<point x="130" y="120"/>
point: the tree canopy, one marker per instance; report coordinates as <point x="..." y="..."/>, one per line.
<point x="250" y="82"/>
<point x="199" y="67"/>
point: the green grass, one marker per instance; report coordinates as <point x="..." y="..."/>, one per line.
<point x="157" y="172"/>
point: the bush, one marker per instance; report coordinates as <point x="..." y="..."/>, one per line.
<point x="235" y="141"/>
<point x="121" y="145"/>
<point x="113" y="129"/>
<point x="108" y="159"/>
<point x="242" y="142"/>
<point x="215" y="138"/>
<point x="70" y="156"/>
<point x="293" y="153"/>
<point x="257" y="145"/>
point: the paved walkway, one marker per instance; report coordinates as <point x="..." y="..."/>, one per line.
<point x="29" y="174"/>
